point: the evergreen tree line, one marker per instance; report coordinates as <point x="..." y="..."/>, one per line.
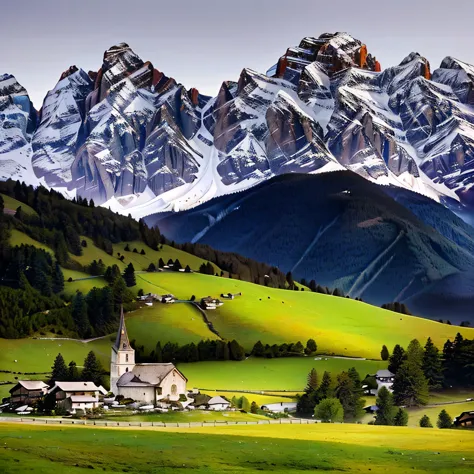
<point x="202" y="351"/>
<point x="284" y="350"/>
<point x="333" y="400"/>
<point x="92" y="370"/>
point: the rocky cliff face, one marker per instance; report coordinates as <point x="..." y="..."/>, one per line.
<point x="132" y="137"/>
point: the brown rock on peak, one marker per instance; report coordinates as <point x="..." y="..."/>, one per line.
<point x="68" y="72"/>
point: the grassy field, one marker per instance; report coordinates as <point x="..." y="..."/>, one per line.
<point x="339" y="325"/>
<point x="250" y="449"/>
<point x="288" y="374"/>
<point x="19" y="238"/>
<point x="13" y="204"/>
<point x="181" y="323"/>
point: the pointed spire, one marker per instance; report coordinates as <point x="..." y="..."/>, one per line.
<point x="122" y="343"/>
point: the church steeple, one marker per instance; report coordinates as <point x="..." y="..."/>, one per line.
<point x="122" y="359"/>
<point x="121" y="342"/>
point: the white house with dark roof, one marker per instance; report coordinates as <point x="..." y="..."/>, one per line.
<point x="218" y="404"/>
<point x="77" y="395"/>
<point x="384" y="378"/>
<point x="148" y="383"/>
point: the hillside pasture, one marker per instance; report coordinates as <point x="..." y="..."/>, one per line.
<point x="242" y="448"/>
<point x="13" y="204"/>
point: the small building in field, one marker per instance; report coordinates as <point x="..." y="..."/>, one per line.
<point x="218" y="404"/>
<point x="210" y="303"/>
<point x="28" y="392"/>
<point x="282" y="407"/>
<point x="77" y="395"/>
<point x="465" y="419"/>
<point x="149" y="383"/>
<point x="384" y="378"/>
<point x="168" y="299"/>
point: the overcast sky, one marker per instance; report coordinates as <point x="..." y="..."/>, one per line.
<point x="201" y="43"/>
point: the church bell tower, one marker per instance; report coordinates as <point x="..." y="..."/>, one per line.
<point x="123" y="355"/>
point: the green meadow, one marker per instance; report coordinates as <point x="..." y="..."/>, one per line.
<point x="247" y="448"/>
<point x="12" y="204"/>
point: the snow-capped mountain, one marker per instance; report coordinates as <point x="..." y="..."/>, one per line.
<point x="132" y="138"/>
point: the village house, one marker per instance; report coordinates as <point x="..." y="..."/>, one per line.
<point x="218" y="404"/>
<point x="147" y="383"/>
<point x="465" y="419"/>
<point x="72" y="396"/>
<point x="168" y="299"/>
<point x="28" y="392"/>
<point x="383" y="378"/>
<point x="210" y="303"/>
<point x="148" y="299"/>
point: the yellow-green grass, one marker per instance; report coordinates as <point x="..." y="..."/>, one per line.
<point x="19" y="238"/>
<point x="13" y="204"/>
<point x="241" y="448"/>
<point x="268" y="374"/>
<point x="179" y="322"/>
<point x="91" y="252"/>
<point x="141" y="262"/>
<point x="37" y="355"/>
<point x="185" y="417"/>
<point x="454" y="409"/>
<point x="339" y="325"/>
<point x="451" y="395"/>
<point x="81" y="282"/>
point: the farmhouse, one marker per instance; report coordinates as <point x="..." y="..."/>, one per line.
<point x="28" y="392"/>
<point x="148" y="383"/>
<point x="465" y="419"/>
<point x="383" y="378"/>
<point x="77" y="395"/>
<point x="168" y="299"/>
<point x="218" y="404"/>
<point x="210" y="303"/>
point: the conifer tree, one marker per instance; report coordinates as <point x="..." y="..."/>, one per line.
<point x="245" y="405"/>
<point x="425" y="422"/>
<point x="129" y="276"/>
<point x="384" y="354"/>
<point x="444" y="420"/>
<point x="432" y="365"/>
<point x="396" y="359"/>
<point x="258" y="349"/>
<point x="80" y="316"/>
<point x="311" y="346"/>
<point x="410" y="386"/>
<point x="386" y="410"/>
<point x="401" y="418"/>
<point x="93" y="370"/>
<point x="254" y="408"/>
<point x="325" y="390"/>
<point x="158" y="353"/>
<point x="312" y="384"/>
<point x="59" y="370"/>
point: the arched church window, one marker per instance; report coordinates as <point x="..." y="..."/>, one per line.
<point x="124" y="345"/>
<point x="126" y="369"/>
<point x="174" y="389"/>
<point x="126" y="357"/>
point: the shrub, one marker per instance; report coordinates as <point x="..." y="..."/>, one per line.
<point x="401" y="418"/>
<point x="444" y="420"/>
<point x="425" y="422"/>
<point x="329" y="410"/>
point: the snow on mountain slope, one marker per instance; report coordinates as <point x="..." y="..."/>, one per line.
<point x="17" y="123"/>
<point x="134" y="139"/>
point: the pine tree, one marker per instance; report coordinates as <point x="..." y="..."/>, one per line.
<point x="177" y="265"/>
<point x="432" y="365"/>
<point x="384" y="354"/>
<point x="312" y="384"/>
<point x="354" y="375"/>
<point x="129" y="276"/>
<point x="80" y="315"/>
<point x="311" y="347"/>
<point x="151" y="268"/>
<point x="289" y="279"/>
<point x="57" y="279"/>
<point x="386" y="411"/>
<point x="258" y="349"/>
<point x="298" y="348"/>
<point x="73" y="373"/>
<point x="444" y="420"/>
<point x="425" y="422"/>
<point x="93" y="370"/>
<point x="325" y="389"/>
<point x="410" y="386"/>
<point x="245" y="405"/>
<point x="401" y="418"/>
<point x="237" y="352"/>
<point x="188" y="269"/>
<point x="161" y="263"/>
<point x="254" y="408"/>
<point x="396" y="359"/>
<point x="59" y="370"/>
<point x="349" y="395"/>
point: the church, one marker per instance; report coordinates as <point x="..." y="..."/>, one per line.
<point x="148" y="383"/>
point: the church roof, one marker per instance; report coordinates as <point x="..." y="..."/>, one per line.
<point x="146" y="374"/>
<point x="122" y="343"/>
